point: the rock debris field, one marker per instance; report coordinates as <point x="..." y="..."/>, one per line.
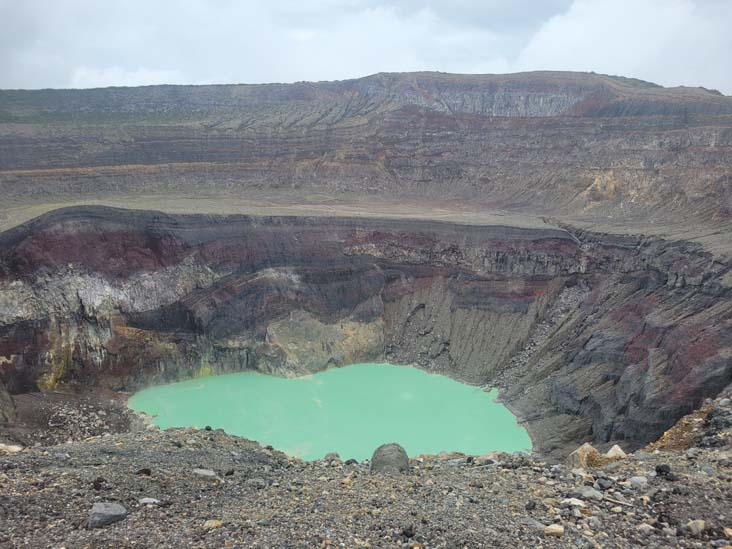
<point x="204" y="488"/>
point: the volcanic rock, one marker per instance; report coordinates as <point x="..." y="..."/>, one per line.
<point x="206" y="473"/>
<point x="10" y="448"/>
<point x="695" y="527"/>
<point x="585" y="456"/>
<point x="554" y="531"/>
<point x="104" y="513"/>
<point x="389" y="458"/>
<point x="616" y="452"/>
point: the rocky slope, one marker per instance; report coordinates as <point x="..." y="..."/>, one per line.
<point x="592" y="337"/>
<point x="187" y="488"/>
<point x="580" y="146"/>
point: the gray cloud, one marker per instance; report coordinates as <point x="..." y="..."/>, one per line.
<point x="88" y="43"/>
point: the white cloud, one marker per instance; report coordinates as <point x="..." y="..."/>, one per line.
<point x="129" y="42"/>
<point x="672" y="42"/>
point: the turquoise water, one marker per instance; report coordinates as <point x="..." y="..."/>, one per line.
<point x="349" y="410"/>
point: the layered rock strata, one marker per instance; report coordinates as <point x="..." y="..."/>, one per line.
<point x="592" y="337"/>
<point x="569" y="144"/>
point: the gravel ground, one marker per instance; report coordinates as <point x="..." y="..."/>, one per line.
<point x="209" y="489"/>
<point x="258" y="497"/>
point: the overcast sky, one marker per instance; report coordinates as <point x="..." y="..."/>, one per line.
<point x="90" y="43"/>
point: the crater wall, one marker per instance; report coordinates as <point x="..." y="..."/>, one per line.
<point x="590" y="336"/>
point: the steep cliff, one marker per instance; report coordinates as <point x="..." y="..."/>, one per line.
<point x="591" y="336"/>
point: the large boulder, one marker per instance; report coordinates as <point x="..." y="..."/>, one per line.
<point x="389" y="458"/>
<point x="586" y="456"/>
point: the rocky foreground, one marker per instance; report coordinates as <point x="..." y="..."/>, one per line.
<point x="204" y="488"/>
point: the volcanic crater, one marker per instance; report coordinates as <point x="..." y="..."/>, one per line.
<point x="560" y="236"/>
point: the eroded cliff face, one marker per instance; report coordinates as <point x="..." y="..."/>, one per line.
<point x="590" y="336"/>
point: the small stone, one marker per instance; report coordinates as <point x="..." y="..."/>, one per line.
<point x="583" y="475"/>
<point x="206" y="473"/>
<point x="389" y="458"/>
<point x="145" y="472"/>
<point x="149" y="501"/>
<point x="573" y="502"/>
<point x="612" y="466"/>
<point x="532" y="524"/>
<point x="617" y="509"/>
<point x="663" y="469"/>
<point x="604" y="483"/>
<point x="638" y="482"/>
<point x="212" y="524"/>
<point x="10" y="448"/>
<point x="695" y="527"/>
<point x="645" y="529"/>
<point x="102" y="514"/>
<point x="554" y="531"/>
<point x="351" y="461"/>
<point x="616" y="452"/>
<point x="258" y="483"/>
<point x="331" y="456"/>
<point x="587" y="492"/>
<point x="727" y="533"/>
